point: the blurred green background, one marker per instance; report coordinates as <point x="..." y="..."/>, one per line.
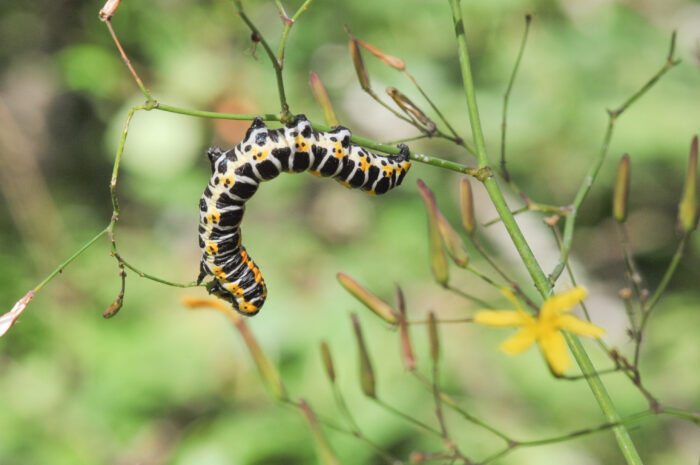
<point x="159" y="384"/>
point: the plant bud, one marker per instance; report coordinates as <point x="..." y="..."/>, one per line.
<point x="109" y="9"/>
<point x="438" y="260"/>
<point x="433" y="338"/>
<point x="322" y="98"/>
<point x="374" y="303"/>
<point x="466" y="201"/>
<point x="688" y="208"/>
<point x="325" y="453"/>
<point x="360" y="69"/>
<point x="622" y="187"/>
<point x="366" y="372"/>
<point x="327" y="361"/>
<point x="411" y="109"/>
<point x="453" y="243"/>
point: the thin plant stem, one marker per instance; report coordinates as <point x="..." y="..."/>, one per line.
<point x="408" y="418"/>
<point x="504" y="171"/>
<point x="602" y="397"/>
<point x="450" y="402"/>
<point x="155" y="278"/>
<point x="68" y="261"/>
<point x="444" y="321"/>
<point x="651" y="303"/>
<point x="126" y="60"/>
<point x="693" y="417"/>
<point x="273" y="59"/>
<point x="457" y="138"/>
<point x="288" y="23"/>
<point x="593" y="170"/>
<point x="474" y="299"/>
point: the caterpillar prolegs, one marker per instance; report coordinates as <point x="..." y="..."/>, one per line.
<point x="262" y="155"/>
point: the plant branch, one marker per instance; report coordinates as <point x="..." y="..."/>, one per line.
<point x="504" y="171"/>
<point x="592" y="173"/>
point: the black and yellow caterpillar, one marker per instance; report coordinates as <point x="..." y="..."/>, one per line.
<point x="262" y="155"/>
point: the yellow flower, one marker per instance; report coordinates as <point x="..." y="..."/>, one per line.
<point x="543" y="329"/>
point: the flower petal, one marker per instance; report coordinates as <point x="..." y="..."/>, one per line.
<point x="501" y="317"/>
<point x="578" y="326"/>
<point x="561" y="302"/>
<point x="519" y="343"/>
<point x="553" y="347"/>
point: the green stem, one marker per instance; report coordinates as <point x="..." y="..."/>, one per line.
<point x="605" y="402"/>
<point x="273" y="59"/>
<point x="504" y="171"/>
<point x="69" y="260"/>
<point x="288" y="23"/>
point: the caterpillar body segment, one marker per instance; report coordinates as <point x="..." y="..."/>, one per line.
<point x="262" y="155"/>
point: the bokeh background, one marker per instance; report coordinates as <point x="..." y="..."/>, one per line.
<point x="160" y="384"/>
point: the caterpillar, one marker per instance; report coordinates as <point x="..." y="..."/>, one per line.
<point x="262" y="155"/>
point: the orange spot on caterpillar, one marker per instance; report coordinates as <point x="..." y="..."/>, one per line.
<point x="247" y="307"/>
<point x="214" y="217"/>
<point x="219" y="273"/>
<point x="364" y="163"/>
<point x="212" y="248"/>
<point x="388" y="170"/>
<point x="316" y="173"/>
<point x="338" y="151"/>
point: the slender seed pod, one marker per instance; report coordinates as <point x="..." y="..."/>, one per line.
<point x="433" y="337"/>
<point x="688" y="207"/>
<point x="323" y="100"/>
<point x="411" y="109"/>
<point x="327" y="361"/>
<point x="622" y="188"/>
<point x="360" y="69"/>
<point x="394" y="62"/>
<point x="407" y="357"/>
<point x="438" y="260"/>
<point x="323" y="447"/>
<point x="371" y="301"/>
<point x="466" y="201"/>
<point x="366" y="372"/>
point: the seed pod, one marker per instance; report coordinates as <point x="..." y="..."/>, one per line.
<point x="407" y="357"/>
<point x="438" y="260"/>
<point x="327" y="361"/>
<point x="322" y="98"/>
<point x="267" y="371"/>
<point x="394" y="62"/>
<point x="622" y="187"/>
<point x="325" y="453"/>
<point x="433" y="338"/>
<point x="374" y="303"/>
<point x="360" y="69"/>
<point x="453" y="243"/>
<point x="108" y="10"/>
<point x="411" y="109"/>
<point x="366" y="372"/>
<point x="688" y="208"/>
<point x="466" y="201"/>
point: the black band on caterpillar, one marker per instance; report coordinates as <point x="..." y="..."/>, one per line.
<point x="262" y="155"/>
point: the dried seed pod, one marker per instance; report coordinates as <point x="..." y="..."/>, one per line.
<point x="371" y="301"/>
<point x="622" y="187"/>
<point x="360" y="69"/>
<point x="407" y="357"/>
<point x="411" y="109"/>
<point x="394" y="62"/>
<point x="8" y="319"/>
<point x="322" y="98"/>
